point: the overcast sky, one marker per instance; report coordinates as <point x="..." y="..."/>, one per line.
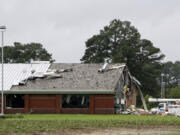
<point x="63" y="26"/>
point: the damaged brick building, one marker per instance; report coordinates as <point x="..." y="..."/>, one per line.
<point x="68" y="88"/>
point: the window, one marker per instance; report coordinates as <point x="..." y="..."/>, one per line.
<point x="75" y="101"/>
<point x="15" y="101"/>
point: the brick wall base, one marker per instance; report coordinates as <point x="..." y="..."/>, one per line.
<point x="75" y="110"/>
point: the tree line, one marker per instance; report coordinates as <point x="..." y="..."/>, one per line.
<point x="24" y="53"/>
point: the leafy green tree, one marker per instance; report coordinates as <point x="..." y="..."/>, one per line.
<point x="174" y="93"/>
<point x="172" y="73"/>
<point x="24" y="53"/>
<point x="149" y="104"/>
<point x="121" y="43"/>
<point x="176" y="70"/>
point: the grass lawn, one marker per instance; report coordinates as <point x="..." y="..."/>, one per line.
<point x="34" y="122"/>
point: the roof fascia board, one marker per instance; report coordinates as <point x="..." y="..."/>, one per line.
<point x="59" y="92"/>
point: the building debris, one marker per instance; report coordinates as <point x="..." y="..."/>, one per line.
<point x="124" y="90"/>
<point x="68" y="98"/>
<point x="60" y="70"/>
<point x="103" y="69"/>
<point x="142" y="112"/>
<point x="82" y="102"/>
<point x="142" y="99"/>
<point x="140" y="92"/>
<point x="50" y="74"/>
<point x="135" y="80"/>
<point x="134" y="111"/>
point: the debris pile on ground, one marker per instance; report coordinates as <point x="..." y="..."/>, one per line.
<point x="136" y="111"/>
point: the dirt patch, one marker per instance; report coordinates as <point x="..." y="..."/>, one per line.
<point x="128" y="131"/>
<point x="107" y="131"/>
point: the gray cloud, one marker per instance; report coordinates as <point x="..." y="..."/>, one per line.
<point x="63" y="26"/>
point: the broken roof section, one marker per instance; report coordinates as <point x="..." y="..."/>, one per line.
<point x="15" y="73"/>
<point x="81" y="77"/>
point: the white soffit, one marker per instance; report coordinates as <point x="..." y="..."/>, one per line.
<point x="14" y="73"/>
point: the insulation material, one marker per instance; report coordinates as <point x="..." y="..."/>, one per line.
<point x="105" y="67"/>
<point x="82" y="102"/>
<point x="60" y="70"/>
<point x="126" y="89"/>
<point x="122" y="101"/>
<point x="117" y="101"/>
<point x="68" y="99"/>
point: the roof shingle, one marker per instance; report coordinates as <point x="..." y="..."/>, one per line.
<point x="83" y="77"/>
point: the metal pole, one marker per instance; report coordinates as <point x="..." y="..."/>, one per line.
<point x="2" y="73"/>
<point x="163" y="89"/>
<point x="161" y="86"/>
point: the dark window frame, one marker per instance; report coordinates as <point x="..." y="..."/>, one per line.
<point x="75" y="101"/>
<point x="15" y="101"/>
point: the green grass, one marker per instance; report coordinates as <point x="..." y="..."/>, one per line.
<point x="31" y="123"/>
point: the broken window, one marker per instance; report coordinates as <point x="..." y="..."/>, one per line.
<point x="15" y="101"/>
<point x="75" y="101"/>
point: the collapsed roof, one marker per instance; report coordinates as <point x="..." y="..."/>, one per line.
<point x="78" y="77"/>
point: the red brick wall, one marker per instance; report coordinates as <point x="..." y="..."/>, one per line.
<point x="26" y="103"/>
<point x="14" y="110"/>
<point x="102" y="104"/>
<point x="99" y="104"/>
<point x="58" y="104"/>
<point x="11" y="110"/>
<point x="42" y="103"/>
<point x="75" y="110"/>
<point x="91" y="104"/>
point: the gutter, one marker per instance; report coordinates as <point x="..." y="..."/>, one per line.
<point x="59" y="92"/>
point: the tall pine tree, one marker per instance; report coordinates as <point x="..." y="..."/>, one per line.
<point x="121" y="42"/>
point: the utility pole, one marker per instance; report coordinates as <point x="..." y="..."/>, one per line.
<point x="2" y="28"/>
<point x="162" y="87"/>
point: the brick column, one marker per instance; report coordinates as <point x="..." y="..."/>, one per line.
<point x="26" y="103"/>
<point x="91" y="106"/>
<point x="58" y="108"/>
